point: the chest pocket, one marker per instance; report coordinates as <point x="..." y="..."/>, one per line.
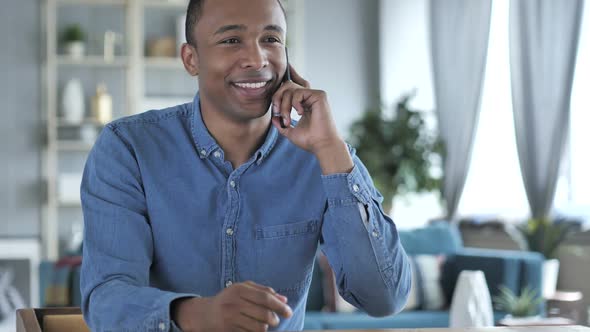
<point x="285" y="255"/>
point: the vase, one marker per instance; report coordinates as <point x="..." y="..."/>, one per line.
<point x="75" y="49"/>
<point x="471" y="305"/>
<point x="102" y="105"/>
<point x="73" y="102"/>
<point x="550" y="274"/>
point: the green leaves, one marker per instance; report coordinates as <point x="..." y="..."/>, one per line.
<point x="400" y="153"/>
<point x="518" y="306"/>
<point x="544" y="236"/>
<point x="73" y="33"/>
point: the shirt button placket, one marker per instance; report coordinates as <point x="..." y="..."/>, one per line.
<point x="229" y="231"/>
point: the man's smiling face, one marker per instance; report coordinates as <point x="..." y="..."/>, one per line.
<point x="241" y="55"/>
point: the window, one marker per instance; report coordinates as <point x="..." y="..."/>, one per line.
<point x="573" y="196"/>
<point x="494" y="184"/>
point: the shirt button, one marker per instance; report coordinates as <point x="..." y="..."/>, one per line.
<point x="203" y="152"/>
<point x="375" y="234"/>
<point x="232" y="184"/>
<point x="217" y="154"/>
<point x="229" y="231"/>
<point x="355" y="188"/>
<point x="162" y="326"/>
<point x="228" y="283"/>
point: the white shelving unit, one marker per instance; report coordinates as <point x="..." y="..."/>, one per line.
<point x="132" y="64"/>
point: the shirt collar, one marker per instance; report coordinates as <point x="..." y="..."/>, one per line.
<point x="206" y="143"/>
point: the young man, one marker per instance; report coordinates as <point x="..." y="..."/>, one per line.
<point x="207" y="216"/>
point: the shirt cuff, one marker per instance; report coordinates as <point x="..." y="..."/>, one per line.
<point x="345" y="188"/>
<point x="161" y="320"/>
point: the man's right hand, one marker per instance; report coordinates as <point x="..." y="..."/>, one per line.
<point x="242" y="306"/>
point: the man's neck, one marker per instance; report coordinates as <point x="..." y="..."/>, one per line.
<point x="238" y="139"/>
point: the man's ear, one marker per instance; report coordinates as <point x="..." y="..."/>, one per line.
<point x="190" y="59"/>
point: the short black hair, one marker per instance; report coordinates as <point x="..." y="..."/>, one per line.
<point x="193" y="14"/>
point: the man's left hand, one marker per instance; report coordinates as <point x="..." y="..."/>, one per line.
<point x="316" y="131"/>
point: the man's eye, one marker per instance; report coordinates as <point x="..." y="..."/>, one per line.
<point x="230" y="41"/>
<point x="272" y="40"/>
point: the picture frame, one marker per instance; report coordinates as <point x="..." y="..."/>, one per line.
<point x="19" y="278"/>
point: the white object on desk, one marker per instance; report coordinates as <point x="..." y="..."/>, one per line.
<point x="472" y="304"/>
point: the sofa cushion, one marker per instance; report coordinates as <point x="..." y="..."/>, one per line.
<point x="429" y="269"/>
<point x="426" y="291"/>
<point x="435" y="239"/>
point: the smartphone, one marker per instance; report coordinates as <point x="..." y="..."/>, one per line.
<point x="286" y="78"/>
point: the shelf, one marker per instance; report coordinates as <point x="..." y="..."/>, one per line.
<point x="63" y="123"/>
<point x="166" y="3"/>
<point x="73" y="145"/>
<point x="92" y="61"/>
<point x="93" y="2"/>
<point x="69" y="204"/>
<point x="163" y="63"/>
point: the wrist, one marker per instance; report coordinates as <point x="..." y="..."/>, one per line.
<point x="334" y="157"/>
<point x="187" y="313"/>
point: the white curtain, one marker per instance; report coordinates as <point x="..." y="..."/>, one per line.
<point x="459" y="32"/>
<point x="543" y="45"/>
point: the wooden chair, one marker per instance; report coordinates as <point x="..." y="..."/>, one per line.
<point x="50" y="320"/>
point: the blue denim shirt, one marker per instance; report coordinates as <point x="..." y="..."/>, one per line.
<point x="166" y="217"/>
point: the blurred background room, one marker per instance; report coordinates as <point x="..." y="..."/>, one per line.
<point x="471" y="115"/>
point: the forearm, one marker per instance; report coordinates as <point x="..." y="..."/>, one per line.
<point x="334" y="158"/>
<point x="362" y="244"/>
<point x="371" y="267"/>
<point x="117" y="305"/>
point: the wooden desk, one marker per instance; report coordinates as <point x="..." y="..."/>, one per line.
<point x="70" y="319"/>
<point x="485" y="329"/>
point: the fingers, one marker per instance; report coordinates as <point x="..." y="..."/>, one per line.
<point x="288" y="97"/>
<point x="285" y="107"/>
<point x="246" y="323"/>
<point x="267" y="289"/>
<point x="282" y="100"/>
<point x="260" y="314"/>
<point x="266" y="300"/>
<point x="279" y="103"/>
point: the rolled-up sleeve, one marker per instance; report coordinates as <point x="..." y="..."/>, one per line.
<point x="362" y="244"/>
<point x="118" y="248"/>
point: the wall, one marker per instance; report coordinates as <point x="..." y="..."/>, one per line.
<point x="405" y="66"/>
<point x="20" y="138"/>
<point x="342" y="55"/>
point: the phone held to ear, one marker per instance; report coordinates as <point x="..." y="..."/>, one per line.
<point x="286" y="78"/>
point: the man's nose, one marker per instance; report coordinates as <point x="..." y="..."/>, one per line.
<point x="255" y="57"/>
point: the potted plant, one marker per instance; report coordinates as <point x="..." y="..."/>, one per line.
<point x="73" y="38"/>
<point x="517" y="306"/>
<point x="399" y="152"/>
<point x="545" y="236"/>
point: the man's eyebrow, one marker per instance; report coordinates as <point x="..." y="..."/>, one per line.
<point x="241" y="27"/>
<point x="230" y="27"/>
<point x="274" y="27"/>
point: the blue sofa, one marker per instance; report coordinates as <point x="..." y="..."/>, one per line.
<point x="513" y="269"/>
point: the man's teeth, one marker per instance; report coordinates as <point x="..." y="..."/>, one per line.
<point x="251" y="85"/>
